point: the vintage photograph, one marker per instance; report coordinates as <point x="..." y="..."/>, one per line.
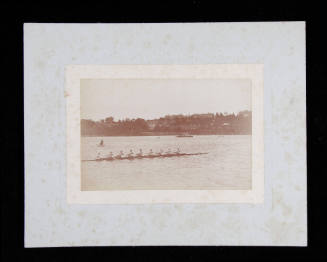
<point x="166" y="134"/>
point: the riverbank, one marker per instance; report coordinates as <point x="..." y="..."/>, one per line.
<point x="166" y="134"/>
<point x="172" y="125"/>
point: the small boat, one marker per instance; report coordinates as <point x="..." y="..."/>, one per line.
<point x="101" y="144"/>
<point x="184" y="136"/>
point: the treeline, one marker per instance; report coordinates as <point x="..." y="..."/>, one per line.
<point x="196" y="124"/>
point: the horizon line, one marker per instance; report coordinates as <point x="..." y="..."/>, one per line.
<point x="176" y="114"/>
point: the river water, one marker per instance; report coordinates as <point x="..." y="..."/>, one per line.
<point x="226" y="166"/>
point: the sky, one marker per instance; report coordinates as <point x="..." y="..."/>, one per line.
<point x="154" y="98"/>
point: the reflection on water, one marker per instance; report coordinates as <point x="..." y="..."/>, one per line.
<point x="226" y="166"/>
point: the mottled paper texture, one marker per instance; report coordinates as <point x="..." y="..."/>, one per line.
<point x="281" y="220"/>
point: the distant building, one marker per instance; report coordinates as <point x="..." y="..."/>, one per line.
<point x="208" y="115"/>
<point x="245" y="113"/>
<point x="174" y="116"/>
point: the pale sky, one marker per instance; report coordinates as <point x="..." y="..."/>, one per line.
<point x="154" y="98"/>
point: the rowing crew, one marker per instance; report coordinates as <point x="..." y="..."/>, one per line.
<point x="139" y="154"/>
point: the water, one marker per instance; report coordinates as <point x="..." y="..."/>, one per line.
<point x="226" y="166"/>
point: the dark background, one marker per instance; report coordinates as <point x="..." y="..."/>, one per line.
<point x="12" y="141"/>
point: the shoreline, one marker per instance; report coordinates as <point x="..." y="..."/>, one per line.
<point x="158" y="135"/>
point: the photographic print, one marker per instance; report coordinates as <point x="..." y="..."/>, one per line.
<point x="165" y="134"/>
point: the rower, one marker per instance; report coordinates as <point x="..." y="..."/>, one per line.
<point x="131" y="153"/>
<point x="120" y="155"/>
<point x="101" y="142"/>
<point x="110" y="155"/>
<point x="99" y="155"/>
<point x="151" y="152"/>
<point x="177" y="151"/>
<point x="168" y="152"/>
<point x="160" y="152"/>
<point x="140" y="153"/>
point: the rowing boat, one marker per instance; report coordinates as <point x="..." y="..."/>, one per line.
<point x="146" y="156"/>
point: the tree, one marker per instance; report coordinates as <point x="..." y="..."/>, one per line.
<point x="109" y="120"/>
<point x="141" y="125"/>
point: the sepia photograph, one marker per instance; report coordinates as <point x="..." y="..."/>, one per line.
<point x="166" y="134"/>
